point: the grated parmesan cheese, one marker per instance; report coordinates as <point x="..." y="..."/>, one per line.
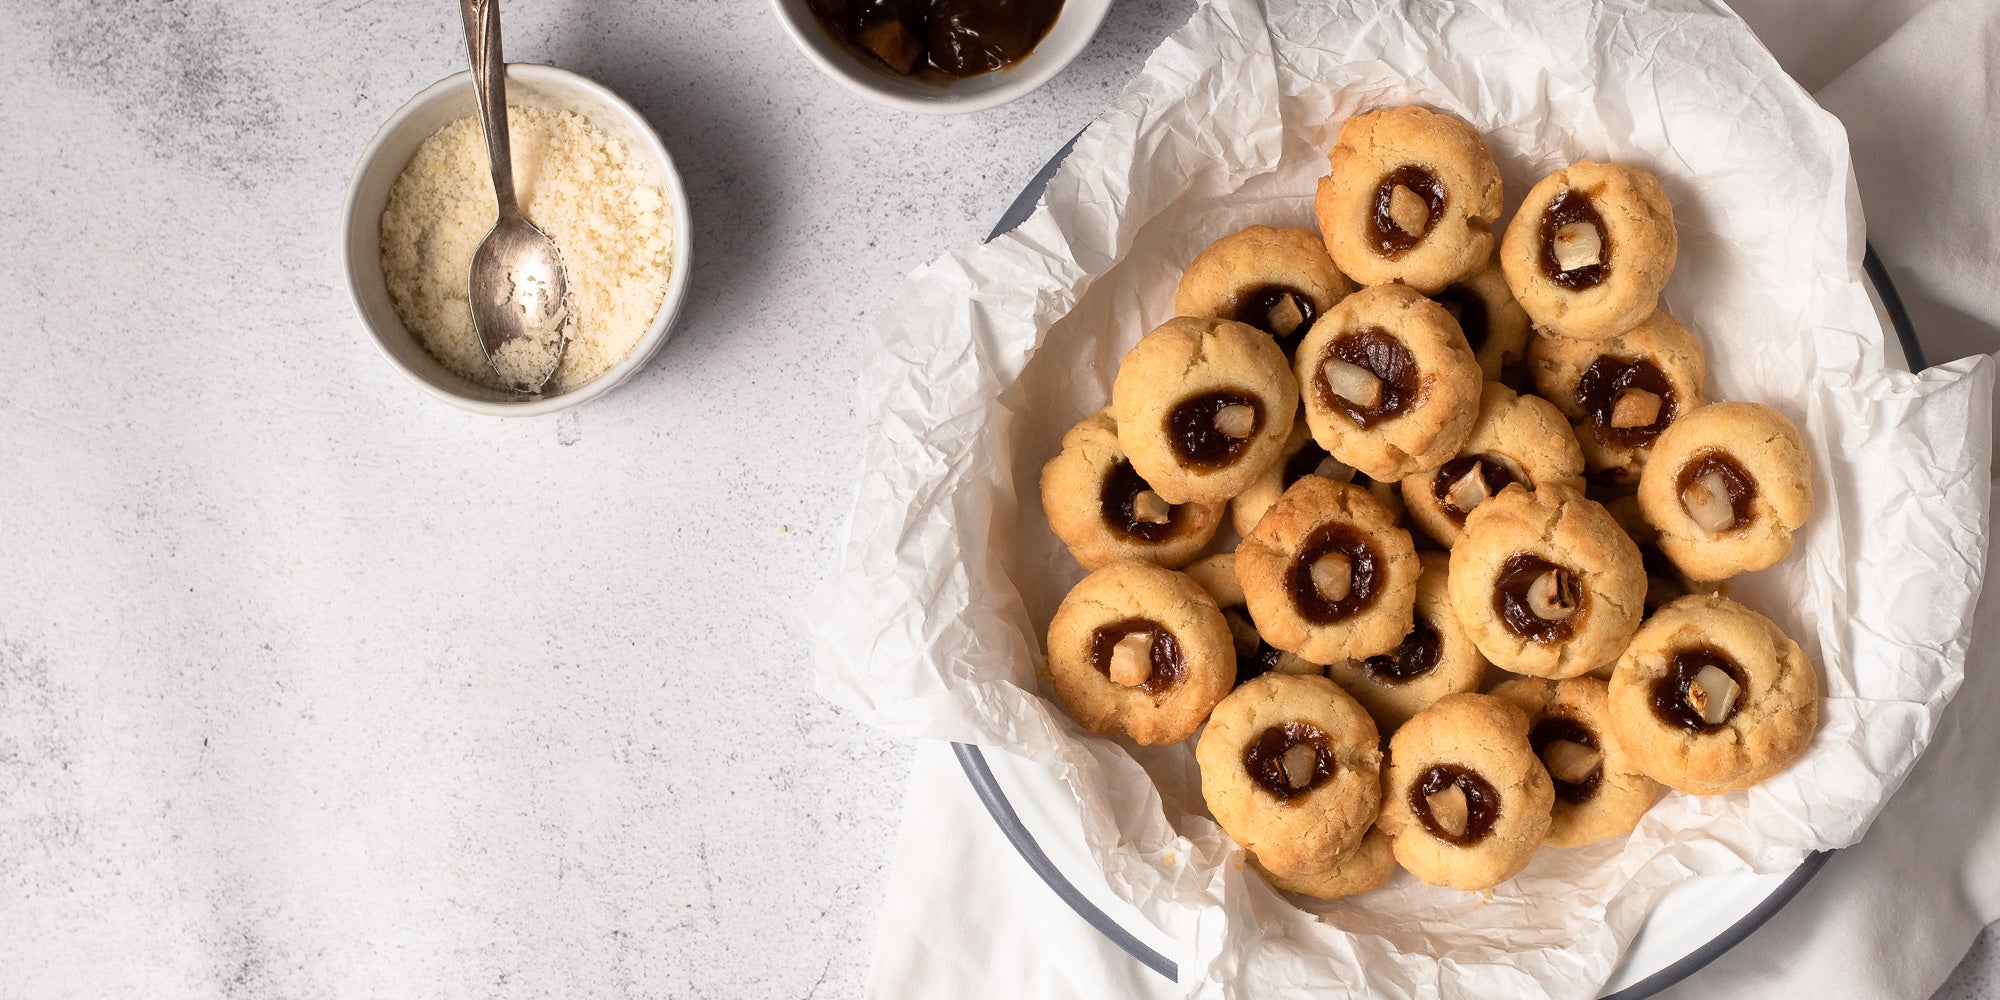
<point x="575" y="183"/>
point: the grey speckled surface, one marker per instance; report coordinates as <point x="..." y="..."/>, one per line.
<point x="278" y="714"/>
<point x="311" y="686"/>
<point x="1978" y="976"/>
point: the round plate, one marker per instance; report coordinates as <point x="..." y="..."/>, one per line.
<point x="1040" y="818"/>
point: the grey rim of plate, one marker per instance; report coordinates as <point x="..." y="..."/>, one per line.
<point x="973" y="760"/>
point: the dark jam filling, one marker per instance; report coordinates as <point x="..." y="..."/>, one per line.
<point x="1510" y="598"/>
<point x="1196" y="440"/>
<point x="1482" y="802"/>
<point x="1264" y="758"/>
<point x="1382" y="356"/>
<point x="1736" y="482"/>
<point x="1384" y="235"/>
<point x="1367" y="569"/>
<point x="1122" y="486"/>
<point x="1557" y="727"/>
<point x="1469" y="310"/>
<point x="1608" y="377"/>
<point x="1415" y="657"/>
<point x="1254" y="309"/>
<point x="1492" y="471"/>
<point x="1670" y="693"/>
<point x="1570" y="206"/>
<point x="1168" y="666"/>
<point x="945" y="39"/>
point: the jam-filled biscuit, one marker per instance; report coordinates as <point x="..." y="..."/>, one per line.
<point x="1254" y="657"/>
<point x="1435" y="659"/>
<point x="1277" y="280"/>
<point x="1410" y="196"/>
<point x="1712" y="697"/>
<point x="1516" y="439"/>
<point x="1101" y="508"/>
<point x="1590" y="249"/>
<point x="1726" y="487"/>
<point x="1140" y="650"/>
<point x="1600" y="791"/>
<point x="1495" y="326"/>
<point x="1466" y="800"/>
<point x="1390" y="386"/>
<point x="1622" y="392"/>
<point x="1363" y="869"/>
<point x="1203" y="405"/>
<point x="1291" y="768"/>
<point x="1302" y="457"/>
<point x="1545" y="583"/>
<point x="1328" y="575"/>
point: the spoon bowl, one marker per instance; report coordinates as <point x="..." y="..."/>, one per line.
<point x="519" y="294"/>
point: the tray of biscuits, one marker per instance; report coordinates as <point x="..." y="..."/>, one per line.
<point x="1426" y="483"/>
<point x="1542" y="668"/>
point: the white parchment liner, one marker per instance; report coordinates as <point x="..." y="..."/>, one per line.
<point x="931" y="623"/>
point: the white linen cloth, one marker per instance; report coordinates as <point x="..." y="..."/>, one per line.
<point x="1914" y="85"/>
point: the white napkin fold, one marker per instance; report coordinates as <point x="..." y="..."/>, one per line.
<point x="967" y="918"/>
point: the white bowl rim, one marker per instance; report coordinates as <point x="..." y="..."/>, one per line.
<point x="1028" y="78"/>
<point x="648" y="343"/>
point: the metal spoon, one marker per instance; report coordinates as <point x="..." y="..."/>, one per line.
<point x="518" y="286"/>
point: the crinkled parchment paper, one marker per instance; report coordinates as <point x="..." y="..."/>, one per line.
<point x="931" y="623"/>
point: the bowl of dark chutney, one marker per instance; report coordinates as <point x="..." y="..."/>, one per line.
<point x="941" y="57"/>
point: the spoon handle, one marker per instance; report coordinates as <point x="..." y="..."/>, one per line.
<point x="489" y="88"/>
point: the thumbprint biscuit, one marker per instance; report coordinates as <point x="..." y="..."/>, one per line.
<point x="1390" y="386"/>
<point x="1622" y="392"/>
<point x="1466" y="801"/>
<point x="1302" y="457"/>
<point x="1516" y="439"/>
<point x="1435" y="659"/>
<point x="1362" y="870"/>
<point x="1495" y="326"/>
<point x="1104" y="511"/>
<point x="1712" y="697"/>
<point x="1328" y="575"/>
<point x="1600" y="791"/>
<point x="1254" y="657"/>
<point x="1277" y="280"/>
<point x="1140" y="650"/>
<point x="1410" y="196"/>
<point x="1590" y="249"/>
<point x="1202" y="406"/>
<point x="1291" y="769"/>
<point x="1726" y="487"/>
<point x="1545" y="583"/>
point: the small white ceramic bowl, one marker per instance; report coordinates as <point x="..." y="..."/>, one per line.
<point x="1074" y="27"/>
<point x="440" y="104"/>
